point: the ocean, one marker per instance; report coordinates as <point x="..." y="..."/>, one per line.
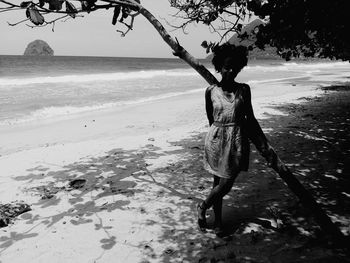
<point x="44" y="88"/>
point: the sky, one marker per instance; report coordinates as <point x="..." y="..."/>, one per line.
<point x="94" y="35"/>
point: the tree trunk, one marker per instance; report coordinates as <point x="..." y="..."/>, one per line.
<point x="256" y="136"/>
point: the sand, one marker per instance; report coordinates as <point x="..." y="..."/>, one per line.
<point x="141" y="175"/>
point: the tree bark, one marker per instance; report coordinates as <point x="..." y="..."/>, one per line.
<point x="179" y="51"/>
<point x="256" y="136"/>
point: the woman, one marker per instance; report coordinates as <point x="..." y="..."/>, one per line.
<point x="229" y="109"/>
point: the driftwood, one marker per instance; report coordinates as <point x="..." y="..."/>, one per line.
<point x="256" y="136"/>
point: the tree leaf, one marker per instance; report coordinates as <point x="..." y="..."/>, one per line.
<point x="70" y="9"/>
<point x="125" y="13"/>
<point x="55" y="4"/>
<point x="41" y="3"/>
<point x="116" y="14"/>
<point x="25" y="4"/>
<point x="86" y="5"/>
<point x="204" y="44"/>
<point x="34" y="16"/>
<point x="91" y="2"/>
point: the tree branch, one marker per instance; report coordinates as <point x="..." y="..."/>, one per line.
<point x="3" y="10"/>
<point x="129" y="26"/>
<point x="9" y="3"/>
<point x="50" y="22"/>
<point x="177" y="48"/>
<point x="15" y="24"/>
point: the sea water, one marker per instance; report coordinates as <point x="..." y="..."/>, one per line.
<point x="37" y="88"/>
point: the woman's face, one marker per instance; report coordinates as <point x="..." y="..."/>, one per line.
<point x="228" y="70"/>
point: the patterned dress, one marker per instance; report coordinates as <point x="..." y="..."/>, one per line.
<point x="226" y="150"/>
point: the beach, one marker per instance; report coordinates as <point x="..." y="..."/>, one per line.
<point x="121" y="184"/>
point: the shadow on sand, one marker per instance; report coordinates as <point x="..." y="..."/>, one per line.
<point x="263" y="219"/>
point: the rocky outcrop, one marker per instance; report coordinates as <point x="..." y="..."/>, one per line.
<point x="266" y="53"/>
<point x="250" y="29"/>
<point x="38" y="48"/>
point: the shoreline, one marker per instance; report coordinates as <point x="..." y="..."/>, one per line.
<point x="104" y="124"/>
<point x="141" y="186"/>
<point x="185" y="110"/>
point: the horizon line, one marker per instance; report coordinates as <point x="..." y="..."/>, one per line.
<point x="21" y="55"/>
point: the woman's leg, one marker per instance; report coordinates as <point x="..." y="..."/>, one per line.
<point x="219" y="191"/>
<point x="216" y="180"/>
<point x="217" y="204"/>
<point x="202" y="208"/>
<point x="221" y="187"/>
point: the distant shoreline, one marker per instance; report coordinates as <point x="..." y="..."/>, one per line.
<point x="206" y="60"/>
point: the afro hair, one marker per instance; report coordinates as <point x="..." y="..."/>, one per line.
<point x="239" y="55"/>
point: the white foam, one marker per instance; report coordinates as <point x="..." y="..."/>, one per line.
<point x="96" y="77"/>
<point x="50" y="112"/>
<point x="293" y="66"/>
<point x="277" y="79"/>
<point x="147" y="74"/>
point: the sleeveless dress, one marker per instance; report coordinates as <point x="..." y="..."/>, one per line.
<point x="226" y="150"/>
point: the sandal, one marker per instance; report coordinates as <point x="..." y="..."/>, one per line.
<point x="219" y="232"/>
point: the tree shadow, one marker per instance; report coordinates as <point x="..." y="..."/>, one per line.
<point x="105" y="176"/>
<point x="318" y="150"/>
<point x="315" y="143"/>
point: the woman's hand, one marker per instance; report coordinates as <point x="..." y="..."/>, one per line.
<point x="270" y="156"/>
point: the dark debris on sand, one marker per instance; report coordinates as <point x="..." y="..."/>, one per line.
<point x="8" y="212"/>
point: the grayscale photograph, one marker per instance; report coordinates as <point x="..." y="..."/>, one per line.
<point x="151" y="131"/>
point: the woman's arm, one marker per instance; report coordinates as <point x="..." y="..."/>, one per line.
<point x="209" y="105"/>
<point x="255" y="133"/>
<point x="249" y="108"/>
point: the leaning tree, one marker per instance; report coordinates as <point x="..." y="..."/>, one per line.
<point x="223" y="17"/>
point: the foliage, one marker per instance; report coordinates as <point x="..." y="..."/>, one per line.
<point x="309" y="28"/>
<point x="222" y="17"/>
<point x="37" y="9"/>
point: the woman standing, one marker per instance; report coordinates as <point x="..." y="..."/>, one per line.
<point x="229" y="110"/>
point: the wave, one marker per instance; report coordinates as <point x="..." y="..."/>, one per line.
<point x="308" y="67"/>
<point x="53" y="112"/>
<point x="278" y="79"/>
<point x="295" y="66"/>
<point x="317" y="64"/>
<point x="96" y="77"/>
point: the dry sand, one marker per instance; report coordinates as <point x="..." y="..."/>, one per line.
<point x="142" y="176"/>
